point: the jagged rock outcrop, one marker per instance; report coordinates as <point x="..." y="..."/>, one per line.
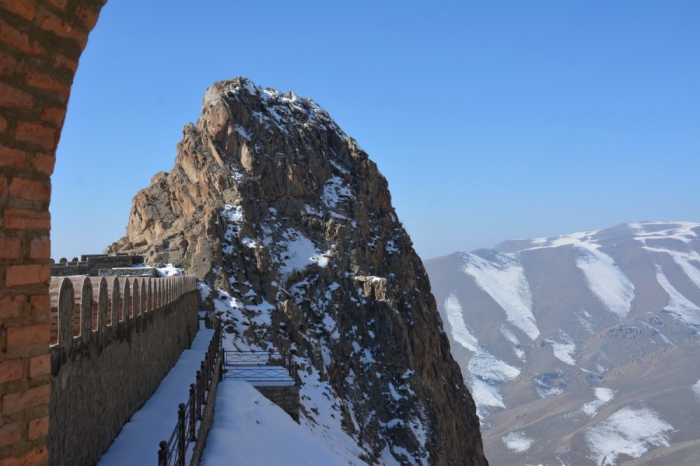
<point x="271" y="203"/>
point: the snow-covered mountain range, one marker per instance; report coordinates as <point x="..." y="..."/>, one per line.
<point x="581" y="349"/>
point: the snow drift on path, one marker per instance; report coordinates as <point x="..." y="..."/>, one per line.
<point x="249" y="429"/>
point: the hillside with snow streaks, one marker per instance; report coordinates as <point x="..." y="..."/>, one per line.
<point x="485" y="373"/>
<point x="630" y="431"/>
<point x="605" y="279"/>
<point x="612" y="373"/>
<point x="503" y="279"/>
<point x="678" y="305"/>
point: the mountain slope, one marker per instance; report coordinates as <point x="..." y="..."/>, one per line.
<point x="292" y="226"/>
<point x="581" y="349"/>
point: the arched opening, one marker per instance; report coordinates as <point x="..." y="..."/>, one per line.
<point x="40" y="44"/>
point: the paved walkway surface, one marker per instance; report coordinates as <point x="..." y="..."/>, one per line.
<point x="137" y="443"/>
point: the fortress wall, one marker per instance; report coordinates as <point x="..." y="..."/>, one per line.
<point x="102" y="373"/>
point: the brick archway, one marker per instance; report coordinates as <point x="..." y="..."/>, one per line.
<point x="40" y="44"/>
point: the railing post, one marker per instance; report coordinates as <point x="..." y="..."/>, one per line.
<point x="163" y="453"/>
<point x="204" y="377"/>
<point x="181" y="445"/>
<point x="200" y="394"/>
<point x="193" y="414"/>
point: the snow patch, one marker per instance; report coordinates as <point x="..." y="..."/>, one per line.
<point x="680" y="231"/>
<point x="678" y="305"/>
<point x="504" y="280"/>
<point x="485" y="372"/>
<point x="603" y="397"/>
<point x="245" y="420"/>
<point x="605" y="279"/>
<point x="296" y="251"/>
<point x="510" y="336"/>
<point x="517" y="442"/>
<point x="564" y="350"/>
<point x="685" y="260"/>
<point x="335" y="191"/>
<point x="630" y="431"/>
<point x="169" y="271"/>
<point x="460" y="332"/>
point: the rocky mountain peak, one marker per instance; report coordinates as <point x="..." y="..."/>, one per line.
<point x="291" y="225"/>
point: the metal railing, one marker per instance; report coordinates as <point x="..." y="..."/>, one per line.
<point x="259" y="366"/>
<point x="174" y="451"/>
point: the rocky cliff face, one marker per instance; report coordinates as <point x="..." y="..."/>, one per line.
<point x="289" y="221"/>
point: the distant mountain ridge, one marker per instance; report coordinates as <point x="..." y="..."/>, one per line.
<point x="581" y="349"/>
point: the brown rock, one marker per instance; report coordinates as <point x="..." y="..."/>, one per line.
<point x="269" y="200"/>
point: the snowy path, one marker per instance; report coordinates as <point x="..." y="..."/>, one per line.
<point x="138" y="440"/>
<point x="250" y="430"/>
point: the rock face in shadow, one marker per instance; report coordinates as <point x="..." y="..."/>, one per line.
<point x="272" y="203"/>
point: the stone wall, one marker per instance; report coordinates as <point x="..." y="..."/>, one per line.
<point x="40" y="44"/>
<point x="116" y="338"/>
<point x="92" y="264"/>
<point x="286" y="398"/>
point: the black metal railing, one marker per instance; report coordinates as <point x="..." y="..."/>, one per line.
<point x="259" y="366"/>
<point x="174" y="451"/>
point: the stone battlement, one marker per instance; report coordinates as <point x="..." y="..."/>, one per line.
<point x="84" y="307"/>
<point x="113" y="339"/>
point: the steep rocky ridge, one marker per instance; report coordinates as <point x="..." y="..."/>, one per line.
<point x="291" y="224"/>
<point x="581" y="349"/>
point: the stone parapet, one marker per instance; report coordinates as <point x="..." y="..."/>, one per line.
<point x="114" y="339"/>
<point x="286" y="398"/>
<point x="129" y="272"/>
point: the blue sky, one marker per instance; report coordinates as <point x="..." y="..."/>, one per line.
<point x="491" y="120"/>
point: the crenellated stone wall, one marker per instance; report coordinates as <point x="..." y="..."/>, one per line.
<point x="114" y="339"/>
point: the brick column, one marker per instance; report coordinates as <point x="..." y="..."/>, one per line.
<point x="40" y="44"/>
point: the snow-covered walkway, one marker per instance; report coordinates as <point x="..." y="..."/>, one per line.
<point x="249" y="430"/>
<point x="137" y="443"/>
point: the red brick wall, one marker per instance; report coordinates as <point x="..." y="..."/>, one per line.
<point x="40" y="44"/>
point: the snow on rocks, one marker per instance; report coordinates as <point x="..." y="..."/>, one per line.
<point x="169" y="271"/>
<point x="334" y="191"/>
<point x="296" y="252"/>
